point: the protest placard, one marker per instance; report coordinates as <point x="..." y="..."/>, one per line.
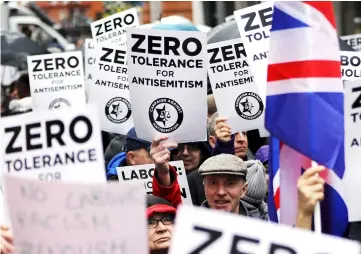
<point x="90" y="67"/>
<point x="201" y="230"/>
<point x="63" y="145"/>
<point x="350" y="65"/>
<point x="112" y="30"/>
<point x="109" y="89"/>
<point x="353" y="148"/>
<point x="57" y="80"/>
<point x="233" y="85"/>
<point x="168" y="83"/>
<point x="353" y="40"/>
<point x="143" y="174"/>
<point x="76" y="218"/>
<point x="254" y="24"/>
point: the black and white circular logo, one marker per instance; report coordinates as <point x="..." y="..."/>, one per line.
<point x="118" y="110"/>
<point x="249" y="105"/>
<point x="166" y="115"/>
<point x="59" y="103"/>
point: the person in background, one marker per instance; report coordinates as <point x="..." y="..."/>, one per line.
<point x="6" y="240"/>
<point x="257" y="187"/>
<point x="24" y="103"/>
<point x="161" y="215"/>
<point x="193" y="154"/>
<point x="136" y="153"/>
<point x="262" y="156"/>
<point x="195" y="181"/>
<point x="114" y="147"/>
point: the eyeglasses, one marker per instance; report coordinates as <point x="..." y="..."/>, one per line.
<point x="190" y="147"/>
<point x="167" y="220"/>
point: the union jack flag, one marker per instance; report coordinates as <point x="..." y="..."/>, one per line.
<point x="305" y="109"/>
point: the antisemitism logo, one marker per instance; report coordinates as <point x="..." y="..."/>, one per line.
<point x="59" y="103"/>
<point x="249" y="105"/>
<point x="118" y="110"/>
<point x="165" y="115"/>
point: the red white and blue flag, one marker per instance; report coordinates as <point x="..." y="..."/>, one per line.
<point x="305" y="108"/>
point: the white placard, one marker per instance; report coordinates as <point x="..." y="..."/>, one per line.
<point x="109" y="89"/>
<point x="143" y="174"/>
<point x="112" y="30"/>
<point x="90" y="57"/>
<point x="206" y="231"/>
<point x="8" y="74"/>
<point x="353" y="148"/>
<point x="168" y="83"/>
<point x="233" y="85"/>
<point x="254" y="24"/>
<point x="62" y="145"/>
<point x="76" y="218"/>
<point x="57" y="80"/>
<point x="353" y="40"/>
<point x="350" y="65"/>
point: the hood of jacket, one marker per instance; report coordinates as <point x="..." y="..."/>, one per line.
<point x="114" y="163"/>
<point x="245" y="209"/>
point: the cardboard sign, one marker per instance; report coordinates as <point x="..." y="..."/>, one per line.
<point x="201" y="230"/>
<point x="90" y="57"/>
<point x="76" y="218"/>
<point x="350" y="65"/>
<point x="353" y="148"/>
<point x="109" y="89"/>
<point x="254" y="24"/>
<point x="353" y="40"/>
<point x="168" y="83"/>
<point x="112" y="30"/>
<point x="63" y="145"/>
<point x="143" y="174"/>
<point x="233" y="85"/>
<point x="57" y="80"/>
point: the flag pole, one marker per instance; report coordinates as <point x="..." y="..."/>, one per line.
<point x="317" y="212"/>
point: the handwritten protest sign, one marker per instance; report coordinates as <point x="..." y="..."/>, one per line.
<point x="350" y="65"/>
<point x="143" y="174"/>
<point x="89" y="53"/>
<point x="168" y="83"/>
<point x="63" y="145"/>
<point x="233" y="85"/>
<point x="109" y="89"/>
<point x="112" y="30"/>
<point x="353" y="40"/>
<point x="76" y="218"/>
<point x="200" y="230"/>
<point x="353" y="148"/>
<point x="57" y="80"/>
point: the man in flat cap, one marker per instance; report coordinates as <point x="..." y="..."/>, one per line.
<point x="224" y="179"/>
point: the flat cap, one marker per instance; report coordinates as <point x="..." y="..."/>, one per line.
<point x="223" y="164"/>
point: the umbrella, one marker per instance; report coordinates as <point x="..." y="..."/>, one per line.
<point x="15" y="47"/>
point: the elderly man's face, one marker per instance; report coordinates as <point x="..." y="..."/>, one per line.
<point x="224" y="192"/>
<point x="240" y="144"/>
<point x="160" y="228"/>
